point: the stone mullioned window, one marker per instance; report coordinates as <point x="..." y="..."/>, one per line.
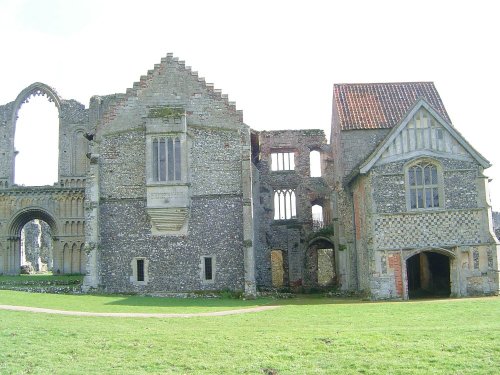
<point x="285" y="206"/>
<point x="423" y="186"/>
<point x="166" y="152"/>
<point x="282" y="161"/>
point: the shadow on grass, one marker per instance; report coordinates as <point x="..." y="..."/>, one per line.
<point x="299" y="299"/>
<point x="147" y="301"/>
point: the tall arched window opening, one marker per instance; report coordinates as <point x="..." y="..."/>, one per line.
<point x="315" y="163"/>
<point x="317" y="217"/>
<point x="37" y="143"/>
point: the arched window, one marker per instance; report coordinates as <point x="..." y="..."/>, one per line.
<point x="317" y="217"/>
<point x="424" y="188"/>
<point x="284" y="205"/>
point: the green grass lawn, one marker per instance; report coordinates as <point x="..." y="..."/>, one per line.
<point x="303" y="336"/>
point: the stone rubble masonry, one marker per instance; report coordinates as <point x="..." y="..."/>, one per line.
<point x="216" y="139"/>
<point x="106" y="211"/>
<point x="289" y="236"/>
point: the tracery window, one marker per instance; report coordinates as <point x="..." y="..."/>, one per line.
<point x="284" y="204"/>
<point x="282" y="161"/>
<point x="166" y="158"/>
<point x="423" y="186"/>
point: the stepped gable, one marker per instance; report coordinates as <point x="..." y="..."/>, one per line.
<point x="381" y="105"/>
<point x="158" y="69"/>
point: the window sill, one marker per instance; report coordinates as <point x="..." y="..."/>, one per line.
<point x="167" y="183"/>
<point x="419" y="210"/>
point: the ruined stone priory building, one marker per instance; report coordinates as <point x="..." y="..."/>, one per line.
<point x="164" y="189"/>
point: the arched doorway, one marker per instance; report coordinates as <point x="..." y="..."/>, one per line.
<point x="320" y="264"/>
<point x="428" y="275"/>
<point x="16" y="255"/>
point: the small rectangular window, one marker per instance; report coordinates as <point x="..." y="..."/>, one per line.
<point x="140" y="269"/>
<point x="208" y="268"/>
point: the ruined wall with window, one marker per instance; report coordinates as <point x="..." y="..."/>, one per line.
<point x="170" y="178"/>
<point x="59" y="204"/>
<point x="286" y="187"/>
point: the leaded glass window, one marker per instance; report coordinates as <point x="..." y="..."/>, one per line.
<point x="423" y="185"/>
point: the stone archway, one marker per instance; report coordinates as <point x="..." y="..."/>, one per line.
<point x="61" y="208"/>
<point x="12" y="250"/>
<point x="320" y="264"/>
<point x="429" y="273"/>
<point x="60" y="205"/>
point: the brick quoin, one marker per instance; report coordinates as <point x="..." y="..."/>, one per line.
<point x="395" y="264"/>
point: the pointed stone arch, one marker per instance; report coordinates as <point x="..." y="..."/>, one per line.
<point x="35" y="89"/>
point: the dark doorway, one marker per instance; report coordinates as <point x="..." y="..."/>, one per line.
<point x="428" y="275"/>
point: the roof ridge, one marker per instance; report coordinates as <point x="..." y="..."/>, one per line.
<point x="381" y="83"/>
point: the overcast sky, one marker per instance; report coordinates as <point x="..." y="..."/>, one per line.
<point x="277" y="59"/>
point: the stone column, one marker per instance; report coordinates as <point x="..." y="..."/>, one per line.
<point x="246" y="178"/>
<point x="91" y="279"/>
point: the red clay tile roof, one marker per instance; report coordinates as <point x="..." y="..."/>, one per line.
<point x="381" y="105"/>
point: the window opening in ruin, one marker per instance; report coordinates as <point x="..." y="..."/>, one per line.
<point x="284" y="204"/>
<point x="36" y="247"/>
<point x="282" y="161"/>
<point x="36" y="142"/>
<point x="428" y="275"/>
<point x="320" y="267"/>
<point x="166" y="159"/>
<point x="207" y="268"/>
<point x="315" y="163"/>
<point x="277" y="269"/>
<point x="317" y="217"/>
<point x="423" y="186"/>
<point x="140" y="269"/>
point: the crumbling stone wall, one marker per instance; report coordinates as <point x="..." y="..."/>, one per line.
<point x="290" y="236"/>
<point x="37" y="242"/>
<point x="60" y="205"/>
